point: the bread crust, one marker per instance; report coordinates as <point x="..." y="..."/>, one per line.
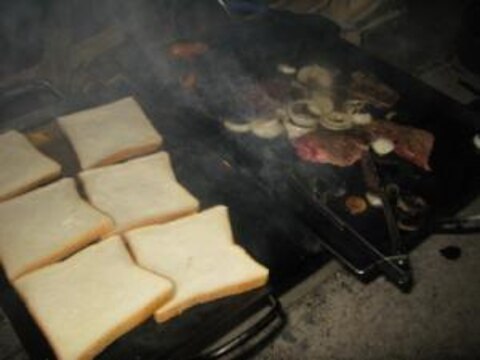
<point x="124" y="327"/>
<point x="32" y="184"/>
<point x="161" y="316"/>
<point x="154" y="221"/>
<point x="124" y="154"/>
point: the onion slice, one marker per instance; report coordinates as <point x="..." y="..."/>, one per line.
<point x="267" y="128"/>
<point x="299" y="115"/>
<point x="361" y="118"/>
<point x="236" y="127"/>
<point x="286" y="69"/>
<point x="476" y="141"/>
<point x="320" y="104"/>
<point x="316" y="76"/>
<point x="374" y="200"/>
<point x="336" y="121"/>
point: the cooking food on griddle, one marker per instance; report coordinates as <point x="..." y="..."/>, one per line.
<point x="129" y="130"/>
<point x="286" y="69"/>
<point x="368" y="88"/>
<point x="346" y="148"/>
<point x="410" y="211"/>
<point x="329" y="147"/>
<point x="382" y="146"/>
<point x="22" y="166"/>
<point x="267" y="128"/>
<point x="187" y="50"/>
<point x="326" y="127"/>
<point x="356" y="205"/>
<point x="411" y="144"/>
<point x="199" y="255"/>
<point x="188" y="81"/>
<point x="476" y="141"/>
<point x="86" y="302"/>
<point x="374" y="200"/>
<point x="39" y="229"/>
<point x="46" y="225"/>
<point x="315" y="76"/>
<point x="138" y="192"/>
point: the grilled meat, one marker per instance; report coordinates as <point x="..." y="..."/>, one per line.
<point x="346" y="148"/>
<point x="411" y="144"/>
<point x="340" y="149"/>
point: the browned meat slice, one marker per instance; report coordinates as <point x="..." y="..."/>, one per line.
<point x="368" y="88"/>
<point x="411" y="144"/>
<point x="187" y="50"/>
<point x="340" y="149"/>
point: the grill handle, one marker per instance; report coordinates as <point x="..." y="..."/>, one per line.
<point x="275" y="313"/>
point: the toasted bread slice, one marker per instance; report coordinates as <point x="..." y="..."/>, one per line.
<point x="87" y="301"/>
<point x="22" y="166"/>
<point x="45" y="225"/>
<point x="198" y="254"/>
<point x="138" y="192"/>
<point x="110" y="133"/>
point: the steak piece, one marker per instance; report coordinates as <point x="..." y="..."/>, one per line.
<point x="411" y="144"/>
<point x="328" y="147"/>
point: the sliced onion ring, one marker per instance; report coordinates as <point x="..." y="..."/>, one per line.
<point x="336" y="121"/>
<point x="236" y="127"/>
<point x="298" y="113"/>
<point x="320" y="105"/>
<point x="476" y="141"/>
<point x="361" y="118"/>
<point x="286" y="69"/>
<point x="267" y="128"/>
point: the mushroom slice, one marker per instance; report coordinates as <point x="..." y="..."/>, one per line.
<point x="382" y="146"/>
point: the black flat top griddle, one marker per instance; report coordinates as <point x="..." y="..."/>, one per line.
<point x="220" y="169"/>
<point x="256" y="48"/>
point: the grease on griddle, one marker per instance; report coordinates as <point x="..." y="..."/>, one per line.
<point x="451" y="252"/>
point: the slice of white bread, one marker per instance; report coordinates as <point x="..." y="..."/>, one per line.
<point x="87" y="301"/>
<point x="138" y="192"/>
<point x="22" y="166"/>
<point x="110" y="133"/>
<point x="199" y="255"/>
<point x="45" y="225"/>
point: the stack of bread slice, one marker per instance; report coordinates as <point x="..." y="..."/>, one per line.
<point x="156" y="254"/>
